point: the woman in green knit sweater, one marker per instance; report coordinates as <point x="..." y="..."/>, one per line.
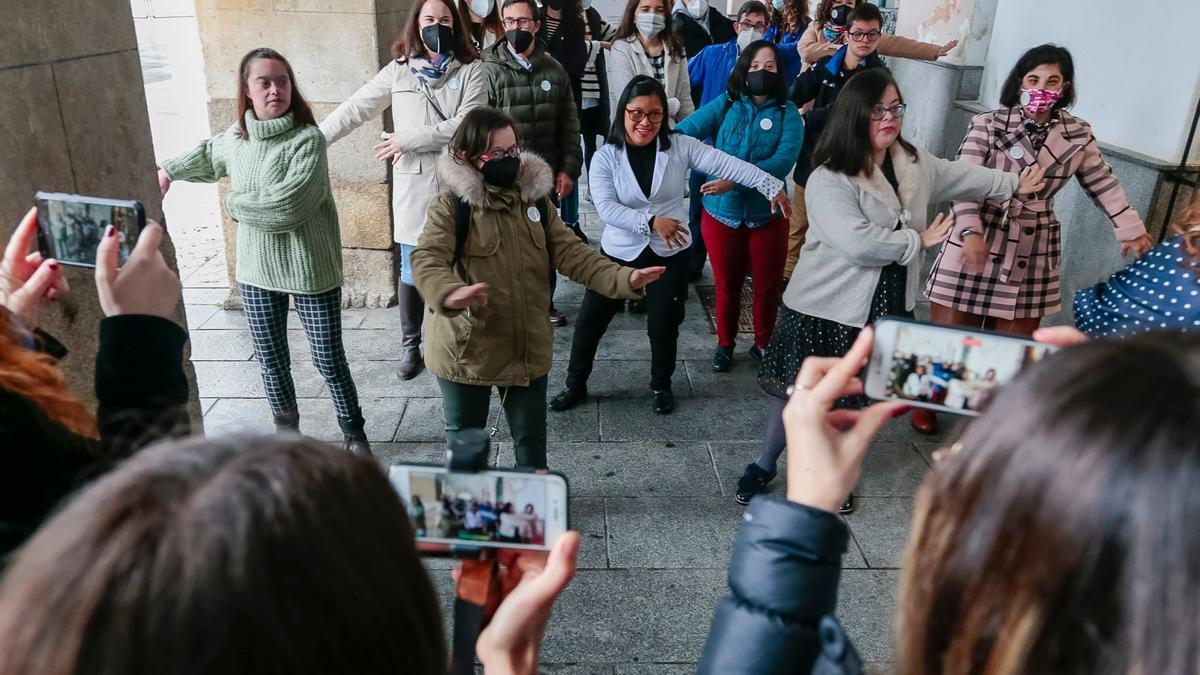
<point x="288" y="240"/>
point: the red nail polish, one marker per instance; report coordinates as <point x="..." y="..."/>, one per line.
<point x="54" y="266"/>
<point x="110" y="231"/>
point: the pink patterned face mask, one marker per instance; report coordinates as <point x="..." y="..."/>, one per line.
<point x="1038" y="101"/>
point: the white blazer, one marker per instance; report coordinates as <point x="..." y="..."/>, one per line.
<point x="626" y="211"/>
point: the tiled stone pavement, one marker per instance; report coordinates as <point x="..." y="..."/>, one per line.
<point x="652" y="495"/>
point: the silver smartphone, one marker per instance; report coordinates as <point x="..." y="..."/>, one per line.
<point x="944" y="368"/>
<point x="70" y="226"/>
<point x="494" y="509"/>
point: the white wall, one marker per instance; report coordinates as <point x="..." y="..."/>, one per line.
<point x="1136" y="71"/>
<point x="940" y="21"/>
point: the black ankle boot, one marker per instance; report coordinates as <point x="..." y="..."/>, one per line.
<point x="288" y="423"/>
<point x="355" y="437"/>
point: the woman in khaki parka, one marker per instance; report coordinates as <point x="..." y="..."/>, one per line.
<point x="487" y="297"/>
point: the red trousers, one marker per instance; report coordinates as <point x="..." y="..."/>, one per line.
<point x="731" y="251"/>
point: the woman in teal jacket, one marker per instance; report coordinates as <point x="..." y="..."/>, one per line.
<point x="755" y="122"/>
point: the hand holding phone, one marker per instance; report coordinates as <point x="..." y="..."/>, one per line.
<point x="29" y="280"/>
<point x="70" y="226"/>
<point x="144" y="285"/>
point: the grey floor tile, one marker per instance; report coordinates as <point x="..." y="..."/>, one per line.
<point x="206" y="404"/>
<point x="866" y="609"/>
<point x="580" y="424"/>
<point x="319" y="419"/>
<point x="422" y="421"/>
<point x="576" y="669"/>
<point x="225" y="319"/>
<point x="633" y="469"/>
<point x="700" y="419"/>
<point x="388" y="318"/>
<point x="221" y="345"/>
<point x="891" y="469"/>
<point x="239" y="416"/>
<point x="878" y="668"/>
<point x="409" y="453"/>
<point x="379" y="378"/>
<point x="731" y="459"/>
<point x="205" y="296"/>
<point x="587" y="518"/>
<point x="880" y="526"/>
<point x="679" y="532"/>
<point x="741" y="381"/>
<point x="198" y="314"/>
<point x="634" y="616"/>
<point x="615" y="379"/>
<point x="360" y="345"/>
<point x="243" y="379"/>
<point x="657" y="668"/>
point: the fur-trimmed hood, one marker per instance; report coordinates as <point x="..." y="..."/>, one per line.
<point x="908" y="175"/>
<point x="534" y="179"/>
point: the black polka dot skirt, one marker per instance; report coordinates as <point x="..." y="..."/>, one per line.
<point x="798" y="336"/>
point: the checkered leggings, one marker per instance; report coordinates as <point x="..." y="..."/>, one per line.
<point x="321" y="316"/>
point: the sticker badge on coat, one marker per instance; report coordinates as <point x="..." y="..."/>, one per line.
<point x="1016" y="152"/>
<point x="533" y="214"/>
<point x="545" y="85"/>
<point x="766" y="124"/>
<point x="454" y="83"/>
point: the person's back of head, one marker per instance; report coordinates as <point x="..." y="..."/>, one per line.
<point x="1059" y="536"/>
<point x="239" y="555"/>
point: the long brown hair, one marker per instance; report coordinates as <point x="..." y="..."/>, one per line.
<point x="1188" y="227"/>
<point x="36" y="377"/>
<point x="409" y="44"/>
<point x="252" y="555"/>
<point x="302" y="113"/>
<point x="1061" y="537"/>
<point x="793" y="17"/>
<point x="824" y="10"/>
<point x="492" y="23"/>
<point x="671" y="43"/>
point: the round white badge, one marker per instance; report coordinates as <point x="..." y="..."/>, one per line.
<point x="766" y="124"/>
<point x="454" y="83"/>
<point x="1016" y="152"/>
<point x="545" y="85"/>
<point x="533" y="214"/>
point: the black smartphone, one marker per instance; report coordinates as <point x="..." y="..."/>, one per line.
<point x="493" y="509"/>
<point x="944" y="368"/>
<point x="71" y="226"/>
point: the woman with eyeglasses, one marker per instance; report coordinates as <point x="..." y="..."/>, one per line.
<point x="483" y="266"/>
<point x="638" y="180"/>
<point x="827" y="33"/>
<point x="645" y="44"/>
<point x="867" y="202"/>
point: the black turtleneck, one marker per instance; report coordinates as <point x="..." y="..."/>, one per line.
<point x="641" y="160"/>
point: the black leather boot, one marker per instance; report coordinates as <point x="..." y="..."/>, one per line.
<point x="412" y="311"/>
<point x="288" y="423"/>
<point x="355" y="436"/>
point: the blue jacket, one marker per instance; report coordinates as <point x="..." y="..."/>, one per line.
<point x="768" y="136"/>
<point x="709" y="71"/>
<point x="789" y="50"/>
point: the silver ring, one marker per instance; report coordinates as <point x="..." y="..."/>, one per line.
<point x="791" y="389"/>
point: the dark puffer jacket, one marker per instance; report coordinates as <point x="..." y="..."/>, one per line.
<point x="783" y="583"/>
<point x="540" y="100"/>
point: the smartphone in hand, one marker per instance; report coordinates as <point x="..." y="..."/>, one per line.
<point x="491" y="509"/>
<point x="71" y="226"/>
<point x="944" y="368"/>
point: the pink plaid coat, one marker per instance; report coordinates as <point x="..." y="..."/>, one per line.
<point x="1021" y="278"/>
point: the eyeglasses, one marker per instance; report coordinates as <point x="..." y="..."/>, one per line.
<point x="869" y="36"/>
<point x="521" y="23"/>
<point x="500" y="153"/>
<point x="636" y="115"/>
<point x="760" y="27"/>
<point x="879" y="112"/>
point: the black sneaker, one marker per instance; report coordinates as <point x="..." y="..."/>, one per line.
<point x="557" y="318"/>
<point x="848" y="506"/>
<point x="568" y="398"/>
<point x="756" y="354"/>
<point x="664" y="401"/>
<point x="722" y="359"/>
<point x="753" y="482"/>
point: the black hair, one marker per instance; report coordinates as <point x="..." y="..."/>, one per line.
<point x="1042" y="55"/>
<point x="736" y="85"/>
<point x="640" y="85"/>
<point x="753" y="7"/>
<point x="533" y="8"/>
<point x="845" y="144"/>
<point x="475" y="132"/>
<point x="865" y="13"/>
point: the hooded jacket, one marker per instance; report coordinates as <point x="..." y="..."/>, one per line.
<point x="506" y="340"/>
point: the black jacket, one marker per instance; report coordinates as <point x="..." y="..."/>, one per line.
<point x="783" y="581"/>
<point x="567" y="47"/>
<point x="142" y="393"/>
<point x="695" y="37"/>
<point x="821" y="84"/>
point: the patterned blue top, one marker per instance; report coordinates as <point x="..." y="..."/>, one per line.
<point x="1159" y="290"/>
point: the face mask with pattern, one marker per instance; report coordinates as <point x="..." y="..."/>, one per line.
<point x="1037" y="101"/>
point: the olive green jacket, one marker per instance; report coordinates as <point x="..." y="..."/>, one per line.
<point x="507" y="340"/>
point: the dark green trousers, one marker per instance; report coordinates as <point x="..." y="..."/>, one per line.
<point x="466" y="406"/>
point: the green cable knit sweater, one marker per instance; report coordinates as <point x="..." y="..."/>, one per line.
<point x="288" y="237"/>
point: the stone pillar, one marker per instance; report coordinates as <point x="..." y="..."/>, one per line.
<point x="73" y="119"/>
<point x="334" y="47"/>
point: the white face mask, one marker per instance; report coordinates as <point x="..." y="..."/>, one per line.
<point x="746" y="37"/>
<point x="649" y="24"/>
<point x="481" y="8"/>
<point x="697" y="8"/>
<point x="586" y="4"/>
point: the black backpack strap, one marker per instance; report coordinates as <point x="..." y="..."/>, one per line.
<point x="462" y="224"/>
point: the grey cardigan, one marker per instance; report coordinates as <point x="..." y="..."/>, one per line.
<point x="852" y="235"/>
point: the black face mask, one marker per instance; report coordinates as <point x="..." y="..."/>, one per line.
<point x="519" y="39"/>
<point x="438" y="38"/>
<point x="761" y="82"/>
<point x="838" y="15"/>
<point x="501" y="172"/>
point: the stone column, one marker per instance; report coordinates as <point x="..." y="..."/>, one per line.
<point x="334" y="47"/>
<point x="73" y="119"/>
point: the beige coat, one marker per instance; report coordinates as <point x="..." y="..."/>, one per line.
<point x="813" y="46"/>
<point x="628" y="58"/>
<point x="420" y="133"/>
<point x="507" y="340"/>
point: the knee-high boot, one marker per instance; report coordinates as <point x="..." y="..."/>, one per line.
<point x="412" y="311"/>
